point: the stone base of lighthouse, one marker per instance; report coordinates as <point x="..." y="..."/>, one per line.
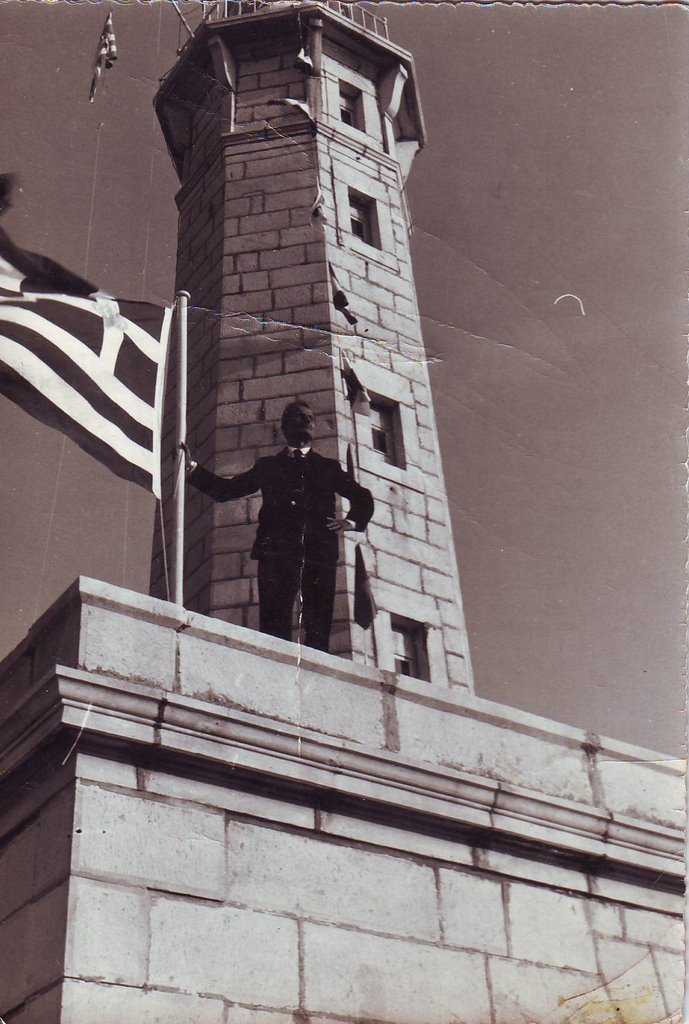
<point x="203" y="824"/>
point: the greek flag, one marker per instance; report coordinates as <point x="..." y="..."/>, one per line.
<point x="106" y="55"/>
<point x="83" y="362"/>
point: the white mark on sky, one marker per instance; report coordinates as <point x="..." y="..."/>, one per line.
<point x="568" y="295"/>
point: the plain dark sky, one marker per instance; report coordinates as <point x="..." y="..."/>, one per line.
<point x="556" y="163"/>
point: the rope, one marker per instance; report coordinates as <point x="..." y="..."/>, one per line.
<point x="150" y="170"/>
<point x="124" y="540"/>
<point x="50" y="526"/>
<point x="163" y="542"/>
<point x="93" y="200"/>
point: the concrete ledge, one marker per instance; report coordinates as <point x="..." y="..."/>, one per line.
<point x="111" y="666"/>
<point x="181" y="727"/>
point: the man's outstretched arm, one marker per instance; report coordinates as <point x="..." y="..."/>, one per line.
<point x="219" y="488"/>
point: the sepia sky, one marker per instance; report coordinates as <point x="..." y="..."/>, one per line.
<point x="555" y="166"/>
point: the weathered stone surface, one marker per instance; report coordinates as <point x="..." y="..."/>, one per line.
<point x="671" y="974"/>
<point x="530" y="869"/>
<point x="117" y="1004"/>
<point x="492" y="749"/>
<point x="473" y="912"/>
<point x="635" y="996"/>
<point x="280" y="688"/>
<point x="313" y="878"/>
<point x="606" y="920"/>
<point x="356" y="975"/>
<point x="550" y="928"/>
<point x="256" y="805"/>
<point x="658" y="929"/>
<point x="632" y="789"/>
<point x="148" y="654"/>
<point x="616" y="957"/>
<point x="107" y="936"/>
<point x="396" y="838"/>
<point x="135" y="839"/>
<point x="524" y="993"/>
<point x="245" y="956"/>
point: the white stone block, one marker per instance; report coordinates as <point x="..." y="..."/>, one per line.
<point x="254" y="804"/>
<point x="396" y="838"/>
<point x="531" y="870"/>
<point x="331" y="882"/>
<point x="247" y="1015"/>
<point x="341" y="708"/>
<point x="86" y="1002"/>
<point x="107" y="937"/>
<point x="616" y="957"/>
<point x="525" y="994"/>
<point x="640" y="790"/>
<point x="670" y="971"/>
<point x="550" y="928"/>
<point x="102" y="769"/>
<point x="473" y="912"/>
<point x="654" y="929"/>
<point x="627" y="892"/>
<point x="361" y="976"/>
<point x="635" y="997"/>
<point x="126" y="646"/>
<point x="280" y="688"/>
<point x="244" y="956"/>
<point x="469" y="744"/>
<point x="141" y="841"/>
<point x="606" y="920"/>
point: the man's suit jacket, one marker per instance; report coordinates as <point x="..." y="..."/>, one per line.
<point x="298" y="499"/>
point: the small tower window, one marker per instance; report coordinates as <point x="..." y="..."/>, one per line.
<point x="409" y="648"/>
<point x="351" y="106"/>
<point x="386" y="431"/>
<point x="363" y="219"/>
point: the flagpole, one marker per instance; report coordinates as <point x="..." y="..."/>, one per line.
<point x="182" y="305"/>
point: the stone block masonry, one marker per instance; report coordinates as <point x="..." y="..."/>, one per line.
<point x="229" y="834"/>
<point x="258" y="266"/>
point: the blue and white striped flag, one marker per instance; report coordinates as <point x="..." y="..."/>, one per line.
<point x="89" y="365"/>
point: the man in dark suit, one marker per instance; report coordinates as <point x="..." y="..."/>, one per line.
<point x="296" y="543"/>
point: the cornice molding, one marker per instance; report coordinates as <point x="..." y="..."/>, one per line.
<point x="98" y="709"/>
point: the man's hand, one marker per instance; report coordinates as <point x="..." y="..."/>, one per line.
<point x="340" y="525"/>
<point x="189" y="463"/>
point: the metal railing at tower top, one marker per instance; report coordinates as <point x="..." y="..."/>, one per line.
<point x="218" y="10"/>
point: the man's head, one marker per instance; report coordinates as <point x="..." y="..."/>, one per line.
<point x="298" y="424"/>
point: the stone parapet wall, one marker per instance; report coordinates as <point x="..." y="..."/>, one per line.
<point x="178" y="655"/>
<point x="205" y="824"/>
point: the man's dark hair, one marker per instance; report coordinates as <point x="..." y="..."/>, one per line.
<point x="286" y="412"/>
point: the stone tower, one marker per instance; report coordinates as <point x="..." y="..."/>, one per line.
<point x="293" y="128"/>
<point x="201" y="823"/>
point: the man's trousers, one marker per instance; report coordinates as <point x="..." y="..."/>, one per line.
<point x="283" y="579"/>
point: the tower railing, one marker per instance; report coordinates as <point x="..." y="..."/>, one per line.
<point x="219" y="10"/>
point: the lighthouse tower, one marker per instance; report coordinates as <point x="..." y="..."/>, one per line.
<point x="202" y="823"/>
<point x="293" y="128"/>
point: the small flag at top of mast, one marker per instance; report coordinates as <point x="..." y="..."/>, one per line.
<point x="106" y="55"/>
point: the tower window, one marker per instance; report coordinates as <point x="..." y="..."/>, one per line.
<point x="409" y="648"/>
<point x="386" y="431"/>
<point x="351" y="106"/>
<point x="363" y="219"/>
